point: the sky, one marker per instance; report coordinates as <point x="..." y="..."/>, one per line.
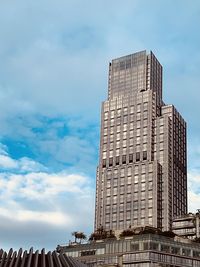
<point x="54" y="59"/>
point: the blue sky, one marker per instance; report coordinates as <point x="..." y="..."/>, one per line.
<point x="53" y="77"/>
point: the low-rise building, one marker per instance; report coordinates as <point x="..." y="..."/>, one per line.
<point x="144" y="250"/>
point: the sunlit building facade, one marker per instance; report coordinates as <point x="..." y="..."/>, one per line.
<point x="142" y="172"/>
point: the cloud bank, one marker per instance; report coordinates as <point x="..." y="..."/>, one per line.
<point x="34" y="198"/>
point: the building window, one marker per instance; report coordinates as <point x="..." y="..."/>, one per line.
<point x="131" y="133"/>
<point x="115" y="182"/>
<point x="142" y="204"/>
<point x="108" y="201"/>
<point x="117" y="160"/>
<point x="128" y="189"/>
<point x="135" y="214"/>
<point x="138" y="156"/>
<point x="164" y="248"/>
<point x="118" y="136"/>
<point x="122" y="181"/>
<point x="135" y="187"/>
<point x="150" y="185"/>
<point x="145" y="106"/>
<point x="112" y="122"/>
<point x="106" y="115"/>
<point x="129" y="180"/>
<point x="186" y="252"/>
<point x="138" y="140"/>
<point x="135" y="196"/>
<point x="143" y="177"/>
<point x="104" y="163"/>
<point x="143" y="185"/>
<point x="142" y="221"/>
<point x="112" y="114"/>
<point x="121" y="189"/>
<point x="130" y="158"/>
<point x="114" y="200"/>
<point x="125" y="127"/>
<point x="143" y="195"/>
<point x="111" y="153"/>
<point x="115" y="191"/>
<point x="122" y="173"/>
<point x="104" y="155"/>
<point x="111" y="138"/>
<point x="144" y="155"/>
<point x="124" y="159"/>
<point x="136" y="179"/>
<point x="131" y="125"/>
<point x="124" y="143"/>
<point x="108" y="193"/>
<point x="132" y="109"/>
<point x="110" y="161"/>
<point x="124" y="135"/>
<point x="125" y="120"/>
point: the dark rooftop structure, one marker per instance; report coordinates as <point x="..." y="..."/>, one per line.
<point x="36" y="259"/>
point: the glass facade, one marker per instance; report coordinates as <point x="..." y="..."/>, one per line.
<point x="140" y="250"/>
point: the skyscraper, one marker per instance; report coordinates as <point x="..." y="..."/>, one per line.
<point x="142" y="172"/>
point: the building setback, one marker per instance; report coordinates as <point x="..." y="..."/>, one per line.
<point x="142" y="172"/>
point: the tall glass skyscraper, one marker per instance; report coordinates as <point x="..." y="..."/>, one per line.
<point x="142" y="172"/>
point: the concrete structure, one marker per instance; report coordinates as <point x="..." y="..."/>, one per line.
<point x="142" y="172"/>
<point x="36" y="259"/>
<point x="187" y="226"/>
<point x="145" y="250"/>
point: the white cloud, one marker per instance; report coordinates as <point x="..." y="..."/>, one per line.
<point x="23" y="164"/>
<point x="27" y="165"/>
<point x="194" y="201"/>
<point x="42" y="188"/>
<point x="194" y="190"/>
<point x="7" y="163"/>
<point x="31" y="197"/>
<point x="48" y="217"/>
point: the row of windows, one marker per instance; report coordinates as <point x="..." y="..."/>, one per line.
<point x="126" y="118"/>
<point x="119" y="136"/>
<point x="133" y="85"/>
<point x="161" y="247"/>
<point x="129" y="170"/>
<point x="123" y="224"/>
<point x="135" y="61"/>
<point x="140" y="182"/>
<point x="119" y="103"/>
<point x="122" y="215"/>
<point x="124" y="159"/>
<point x="121" y="198"/>
<point x="126" y="110"/>
<point x="123" y="147"/>
<point x="127" y="205"/>
<point x="125" y="127"/>
<point x="130" y="181"/>
<point x="126" y="135"/>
